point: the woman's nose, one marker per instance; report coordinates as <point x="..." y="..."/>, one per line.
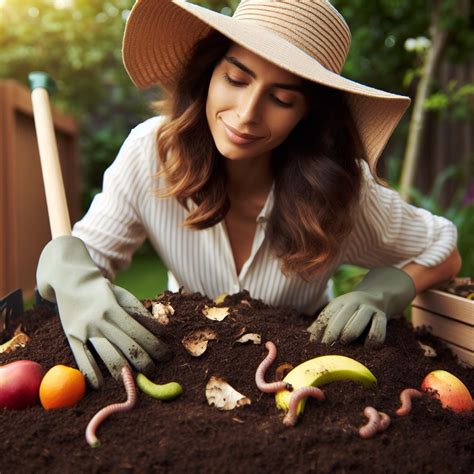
<point x="249" y="106"/>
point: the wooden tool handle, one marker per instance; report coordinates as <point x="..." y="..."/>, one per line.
<point x="59" y="220"/>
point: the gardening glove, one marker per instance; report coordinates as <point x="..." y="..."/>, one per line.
<point x="92" y="309"/>
<point x="383" y="293"/>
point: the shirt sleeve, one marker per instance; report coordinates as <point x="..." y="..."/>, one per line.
<point x="389" y="231"/>
<point x="112" y="228"/>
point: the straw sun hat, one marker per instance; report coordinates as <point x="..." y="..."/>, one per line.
<point x="308" y="38"/>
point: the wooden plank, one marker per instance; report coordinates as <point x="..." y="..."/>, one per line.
<point x="23" y="213"/>
<point x="465" y="356"/>
<point x="446" y="304"/>
<point x="451" y="331"/>
<point x="22" y="102"/>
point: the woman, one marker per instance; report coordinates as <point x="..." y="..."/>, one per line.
<point x="260" y="172"/>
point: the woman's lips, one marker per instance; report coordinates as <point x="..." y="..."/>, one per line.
<point x="237" y="138"/>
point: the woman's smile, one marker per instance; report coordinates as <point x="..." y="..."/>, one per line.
<point x="238" y="138"/>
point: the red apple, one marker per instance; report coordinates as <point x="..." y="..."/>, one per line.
<point x="450" y="391"/>
<point x="19" y="384"/>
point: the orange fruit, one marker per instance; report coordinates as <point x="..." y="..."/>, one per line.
<point x="62" y="386"/>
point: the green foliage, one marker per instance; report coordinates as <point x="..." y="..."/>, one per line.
<point x="346" y="277"/>
<point x="78" y="42"/>
<point x="455" y="101"/>
<point x="145" y="278"/>
<point x="458" y="211"/>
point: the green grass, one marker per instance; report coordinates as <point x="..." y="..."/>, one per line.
<point x="145" y="278"/>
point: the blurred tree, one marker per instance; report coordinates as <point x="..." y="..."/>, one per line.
<point x="78" y="42"/>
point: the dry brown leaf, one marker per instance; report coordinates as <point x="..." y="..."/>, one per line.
<point x="161" y="312"/>
<point x="223" y="396"/>
<point x="196" y="342"/>
<point x="20" y="339"/>
<point x="216" y="314"/>
<point x="250" y="337"/>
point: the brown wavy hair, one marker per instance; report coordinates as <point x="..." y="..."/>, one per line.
<point x="316" y="170"/>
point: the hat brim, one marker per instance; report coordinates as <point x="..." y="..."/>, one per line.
<point x="160" y="35"/>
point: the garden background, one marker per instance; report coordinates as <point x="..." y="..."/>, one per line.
<point x="420" y="48"/>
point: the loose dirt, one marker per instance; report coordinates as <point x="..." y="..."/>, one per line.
<point x="189" y="436"/>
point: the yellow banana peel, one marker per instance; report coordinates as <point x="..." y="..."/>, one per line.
<point x="320" y="371"/>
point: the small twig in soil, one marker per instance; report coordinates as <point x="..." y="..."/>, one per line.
<point x="101" y="415"/>
<point x="377" y="421"/>
<point x="406" y="397"/>
<point x="292" y="417"/>
<point x="263" y="367"/>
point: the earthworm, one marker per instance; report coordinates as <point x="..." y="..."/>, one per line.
<point x="372" y="426"/>
<point x="291" y="417"/>
<point x="384" y="421"/>
<point x="405" y="398"/>
<point x="281" y="369"/>
<point x="101" y="415"/>
<point x="262" y="368"/>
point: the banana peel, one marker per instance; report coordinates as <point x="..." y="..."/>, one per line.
<point x="320" y="371"/>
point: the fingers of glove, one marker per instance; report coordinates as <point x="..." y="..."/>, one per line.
<point x="86" y="363"/>
<point x="140" y="335"/>
<point x="112" y="358"/>
<point x="338" y="321"/>
<point x="378" y="330"/>
<point x="129" y="302"/>
<point x="317" y="328"/>
<point x="129" y="347"/>
<point x="357" y="323"/>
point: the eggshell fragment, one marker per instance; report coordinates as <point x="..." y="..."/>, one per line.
<point x="196" y="342"/>
<point x="216" y="314"/>
<point x="20" y="339"/>
<point x="428" y="351"/>
<point x="250" y="337"/>
<point x="223" y="396"/>
<point x="162" y="312"/>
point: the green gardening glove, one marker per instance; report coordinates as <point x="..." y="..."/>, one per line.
<point x="383" y="293"/>
<point x="93" y="310"/>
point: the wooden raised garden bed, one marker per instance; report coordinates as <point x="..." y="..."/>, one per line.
<point x="448" y="313"/>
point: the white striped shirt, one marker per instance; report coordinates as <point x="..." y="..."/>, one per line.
<point x="387" y="231"/>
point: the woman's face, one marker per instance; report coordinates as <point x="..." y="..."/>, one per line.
<point x="252" y="105"/>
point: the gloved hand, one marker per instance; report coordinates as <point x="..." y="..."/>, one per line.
<point x="92" y="309"/>
<point x="383" y="293"/>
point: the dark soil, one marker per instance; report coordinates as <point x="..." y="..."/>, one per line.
<point x="188" y="435"/>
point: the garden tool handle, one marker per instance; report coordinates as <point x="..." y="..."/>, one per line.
<point x="58" y="212"/>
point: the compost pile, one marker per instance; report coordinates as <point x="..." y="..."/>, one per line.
<point x="189" y="435"/>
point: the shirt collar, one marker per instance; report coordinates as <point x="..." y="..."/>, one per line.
<point x="264" y="214"/>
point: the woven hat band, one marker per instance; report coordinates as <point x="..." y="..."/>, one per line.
<point x="312" y="25"/>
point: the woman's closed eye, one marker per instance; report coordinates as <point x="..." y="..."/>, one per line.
<point x="236" y="83"/>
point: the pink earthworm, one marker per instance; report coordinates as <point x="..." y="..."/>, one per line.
<point x="262" y="368"/>
<point x="373" y="423"/>
<point x="384" y="421"/>
<point x="405" y="397"/>
<point x="101" y="415"/>
<point x="291" y="417"/>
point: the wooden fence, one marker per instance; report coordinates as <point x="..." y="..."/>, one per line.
<point x="23" y="214"/>
<point x="447" y="140"/>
